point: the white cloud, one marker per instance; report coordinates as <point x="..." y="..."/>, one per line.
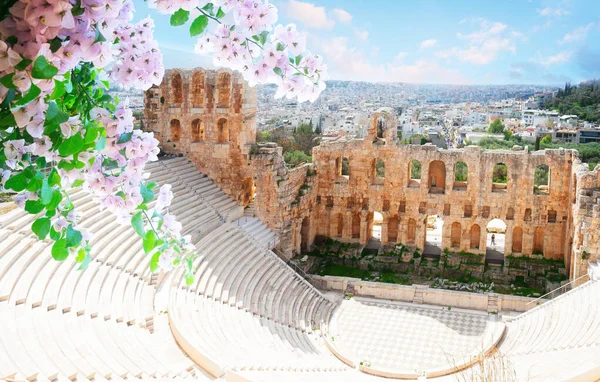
<point x="428" y="43"/>
<point x="342" y="16"/>
<point x="350" y="64"/>
<point x="558" y="58"/>
<point x="309" y="14"/>
<point x="361" y="34"/>
<point x="577" y="34"/>
<point x="553" y="12"/>
<point x="485" y="44"/>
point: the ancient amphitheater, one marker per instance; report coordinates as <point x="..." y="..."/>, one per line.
<point x="250" y="316"/>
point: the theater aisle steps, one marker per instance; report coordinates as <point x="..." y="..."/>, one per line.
<point x="259" y="231"/>
<point x="59" y="323"/>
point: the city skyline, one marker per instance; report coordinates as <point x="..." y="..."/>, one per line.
<point x="535" y="42"/>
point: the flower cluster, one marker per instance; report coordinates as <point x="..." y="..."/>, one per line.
<point x="252" y="45"/>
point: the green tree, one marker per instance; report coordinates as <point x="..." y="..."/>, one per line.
<point x="296" y="157"/>
<point x="496" y="127"/>
<point x="546" y="140"/>
<point x="500" y="174"/>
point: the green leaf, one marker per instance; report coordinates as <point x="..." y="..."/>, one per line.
<point x="298" y="59"/>
<point x="87" y="259"/>
<point x="220" y="14"/>
<point x="208" y="8"/>
<point x="280" y="46"/>
<point x="278" y="71"/>
<point x="101" y="144"/>
<point x="151" y="185"/>
<point x="35" y="183"/>
<point x="23" y="64"/>
<point x="77" y="10"/>
<point x="41" y="227"/>
<point x="154" y="261"/>
<point x="56" y="199"/>
<point x="71" y="145"/>
<point x="32" y="94"/>
<point x="46" y="193"/>
<point x="59" y="250"/>
<point x="54" y="177"/>
<point x="73" y="236"/>
<point x="189" y="279"/>
<point x="53" y="234"/>
<point x="59" y="90"/>
<point x="34" y="206"/>
<point x="125" y="137"/>
<point x="8" y="119"/>
<point x="42" y="70"/>
<point x="147" y="194"/>
<point x="137" y="222"/>
<point x="180" y="17"/>
<point x="40" y="162"/>
<point x="99" y="36"/>
<point x="262" y="37"/>
<point x="198" y="25"/>
<point x="55" y="44"/>
<point x="7" y="81"/>
<point x="55" y="116"/>
<point x="149" y="242"/>
<point x="17" y="182"/>
<point x="77" y="183"/>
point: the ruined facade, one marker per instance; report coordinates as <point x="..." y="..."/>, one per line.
<point x="209" y="117"/>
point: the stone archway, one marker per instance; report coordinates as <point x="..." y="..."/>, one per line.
<point x="304" y="234"/>
<point x="495" y="241"/>
<point x="392" y="229"/>
<point x="197" y="130"/>
<point x="222" y="131"/>
<point x="248" y="191"/>
<point x="475" y="237"/>
<point x="176" y="88"/>
<point x="175" y="130"/>
<point x="437" y="177"/>
<point x="517" y="240"/>
<point x="455" y="235"/>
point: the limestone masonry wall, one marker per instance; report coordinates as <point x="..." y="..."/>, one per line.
<point x="210" y="117"/>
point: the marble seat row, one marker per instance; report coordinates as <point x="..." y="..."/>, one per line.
<point x="566" y="322"/>
<point x="259" y="231"/>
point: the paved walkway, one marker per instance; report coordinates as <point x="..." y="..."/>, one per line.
<point x="402" y="336"/>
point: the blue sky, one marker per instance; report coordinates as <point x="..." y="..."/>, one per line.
<point x="456" y="42"/>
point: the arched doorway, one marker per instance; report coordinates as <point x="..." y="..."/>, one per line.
<point x="437" y="177"/>
<point x="356" y="226"/>
<point x="455" y="236"/>
<point x="176" y="88"/>
<point x="377" y="223"/>
<point x="339" y="225"/>
<point x="495" y="237"/>
<point x="222" y="131"/>
<point x="517" y="240"/>
<point x="175" y="130"/>
<point x="304" y="233"/>
<point x="411" y="231"/>
<point x="197" y="130"/>
<point x="538" y="241"/>
<point x="392" y="229"/>
<point x="433" y="235"/>
<point x="475" y="237"/>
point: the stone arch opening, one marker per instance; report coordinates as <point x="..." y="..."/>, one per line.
<point x="381" y="126"/>
<point x="500" y="178"/>
<point x="461" y="176"/>
<point x="495" y="239"/>
<point x="377" y="226"/>
<point x="222" y="131"/>
<point x="411" y="231"/>
<point x="538" y="241"/>
<point x="392" y="229"/>
<point x="248" y="191"/>
<point x="339" y="225"/>
<point x="356" y="226"/>
<point x="475" y="236"/>
<point x="224" y="85"/>
<point x="434" y="228"/>
<point x="455" y="235"/>
<point x="517" y="240"/>
<point x="176" y="88"/>
<point x="414" y="173"/>
<point x="541" y="180"/>
<point x="175" y="133"/>
<point x="197" y="90"/>
<point x="304" y="234"/>
<point x="345" y="167"/>
<point x="197" y="130"/>
<point x="378" y="170"/>
<point x="437" y="177"/>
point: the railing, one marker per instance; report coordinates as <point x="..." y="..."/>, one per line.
<point x="292" y="265"/>
<point x="558" y="291"/>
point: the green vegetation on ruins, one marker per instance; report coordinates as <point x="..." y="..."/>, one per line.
<point x="297" y="145"/>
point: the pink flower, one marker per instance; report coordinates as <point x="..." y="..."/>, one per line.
<point x="165" y="196"/>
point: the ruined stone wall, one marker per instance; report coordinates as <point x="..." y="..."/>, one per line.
<point x="208" y="116"/>
<point x="346" y="203"/>
<point x="585" y="233"/>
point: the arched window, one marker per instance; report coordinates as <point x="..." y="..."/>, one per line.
<point x="175" y="130"/>
<point x="475" y="236"/>
<point x="339" y="225"/>
<point x="461" y="176"/>
<point x="517" y="240"/>
<point x="527" y="215"/>
<point x="197" y="89"/>
<point x="510" y="213"/>
<point x="541" y="180"/>
<point x="538" y="241"/>
<point x="197" y="130"/>
<point x="224" y="84"/>
<point x="414" y="173"/>
<point x="392" y="229"/>
<point x="379" y="169"/>
<point x="345" y="167"/>
<point x="222" y="131"/>
<point x="356" y="226"/>
<point x="437" y="177"/>
<point x="499" y="178"/>
<point x="455" y="235"/>
<point x="411" y="231"/>
<point x="176" y="88"/>
<point x="380" y="128"/>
